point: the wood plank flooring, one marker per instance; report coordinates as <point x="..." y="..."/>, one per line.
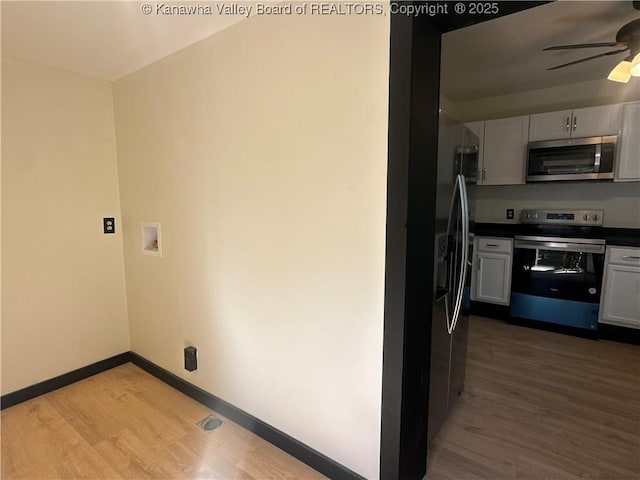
<point x="537" y="405"/>
<point x="126" y="424"/>
<point x="542" y="405"/>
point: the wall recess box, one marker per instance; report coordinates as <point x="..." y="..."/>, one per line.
<point x="151" y="239"/>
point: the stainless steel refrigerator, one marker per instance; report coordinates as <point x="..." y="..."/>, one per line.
<point x="457" y="155"/>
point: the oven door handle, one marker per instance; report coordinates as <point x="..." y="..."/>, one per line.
<point x="561" y="246"/>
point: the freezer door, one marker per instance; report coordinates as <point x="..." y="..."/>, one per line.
<point x="458" y="360"/>
<point x="448" y="331"/>
<point x="439" y="372"/>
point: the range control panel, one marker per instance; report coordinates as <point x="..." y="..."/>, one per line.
<point x="562" y="217"/>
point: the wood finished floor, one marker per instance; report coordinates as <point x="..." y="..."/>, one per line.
<point x="537" y="405"/>
<point x="126" y="424"/>
<point x="542" y="405"/>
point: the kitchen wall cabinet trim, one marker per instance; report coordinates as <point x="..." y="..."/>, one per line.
<point x="620" y="301"/>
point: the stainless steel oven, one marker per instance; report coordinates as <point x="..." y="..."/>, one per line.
<point x="558" y="279"/>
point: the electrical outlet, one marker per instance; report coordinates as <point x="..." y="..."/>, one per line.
<point x="509" y="213"/>
<point x="190" y="359"/>
<point x="109" y="225"/>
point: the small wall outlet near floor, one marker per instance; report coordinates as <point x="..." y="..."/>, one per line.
<point x="510" y="214"/>
<point x="190" y="359"/>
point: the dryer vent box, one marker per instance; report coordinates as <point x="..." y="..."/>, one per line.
<point x="190" y="359"/>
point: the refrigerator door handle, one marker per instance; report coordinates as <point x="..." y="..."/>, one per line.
<point x="464" y="210"/>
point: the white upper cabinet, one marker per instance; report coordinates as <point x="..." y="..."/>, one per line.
<point x="503" y="152"/>
<point x="577" y="123"/>
<point x="628" y="160"/>
<point x="550" y="125"/>
<point x="478" y="129"/>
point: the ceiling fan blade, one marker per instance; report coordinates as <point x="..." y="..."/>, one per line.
<point x="615" y="52"/>
<point x="586" y="45"/>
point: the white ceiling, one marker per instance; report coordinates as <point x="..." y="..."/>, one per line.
<point x="103" y="39"/>
<point x="110" y="39"/>
<point x="504" y="55"/>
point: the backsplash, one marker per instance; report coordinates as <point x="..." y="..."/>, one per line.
<point x="620" y="201"/>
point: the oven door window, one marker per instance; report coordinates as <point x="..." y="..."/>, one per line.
<point x="558" y="274"/>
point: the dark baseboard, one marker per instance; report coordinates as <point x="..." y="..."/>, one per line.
<point x="63" y="380"/>
<point x="619" y="334"/>
<point x="293" y="447"/>
<point x="483" y="309"/>
<point x="554" y="327"/>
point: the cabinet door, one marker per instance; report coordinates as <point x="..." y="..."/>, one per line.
<point x="504" y="151"/>
<point x="550" y="125"/>
<point x="478" y="130"/>
<point x="621" y="304"/>
<point x="596" y="121"/>
<point x="493" y="278"/>
<point x="628" y="161"/>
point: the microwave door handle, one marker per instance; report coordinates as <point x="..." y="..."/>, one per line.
<point x="596" y="161"/>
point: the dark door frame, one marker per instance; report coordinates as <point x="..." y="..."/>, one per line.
<point x="414" y="89"/>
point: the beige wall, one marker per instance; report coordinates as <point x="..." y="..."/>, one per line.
<point x="620" y="201"/>
<point x="262" y="153"/>
<point x="63" y="292"/>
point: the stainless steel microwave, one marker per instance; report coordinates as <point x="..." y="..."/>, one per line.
<point x="590" y="158"/>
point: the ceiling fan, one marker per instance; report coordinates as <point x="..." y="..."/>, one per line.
<point x="628" y="37"/>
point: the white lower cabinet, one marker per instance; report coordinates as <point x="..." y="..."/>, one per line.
<point x="620" y="300"/>
<point x="491" y="277"/>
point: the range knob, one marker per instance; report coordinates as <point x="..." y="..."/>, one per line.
<point x="535" y="216"/>
<point x="586" y="217"/>
<point x="595" y="218"/>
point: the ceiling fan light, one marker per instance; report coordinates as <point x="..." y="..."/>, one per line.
<point x="635" y="66"/>
<point x="621" y="72"/>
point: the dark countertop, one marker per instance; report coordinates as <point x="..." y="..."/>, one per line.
<point x="626" y="237"/>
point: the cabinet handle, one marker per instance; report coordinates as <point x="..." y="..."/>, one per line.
<point x="631" y="257"/>
<point x="491" y="245"/>
<point x="484" y="174"/>
<point x="567" y="126"/>
<point x="575" y="123"/>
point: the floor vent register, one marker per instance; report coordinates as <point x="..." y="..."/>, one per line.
<point x="209" y="423"/>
